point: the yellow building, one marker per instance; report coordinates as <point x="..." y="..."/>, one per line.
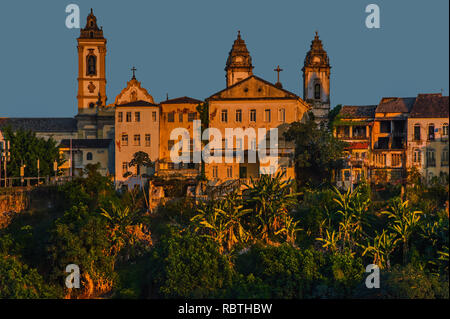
<point x="354" y="126"/>
<point x="136" y="129"/>
<point x="176" y="113"/>
<point x="249" y="102"/>
<point x="428" y="135"/>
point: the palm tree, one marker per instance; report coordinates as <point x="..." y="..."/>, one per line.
<point x="404" y="222"/>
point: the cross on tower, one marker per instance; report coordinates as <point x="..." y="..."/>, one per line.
<point x="278" y="70"/>
<point x="133" y="69"/>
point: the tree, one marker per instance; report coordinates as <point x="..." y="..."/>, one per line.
<point x="140" y="159"/>
<point x="317" y="153"/>
<point x="19" y="281"/>
<point x="26" y="149"/>
<point x="185" y="265"/>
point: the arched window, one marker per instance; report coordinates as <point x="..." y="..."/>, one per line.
<point x="317" y="91"/>
<point x="91" y="105"/>
<point x="91" y="34"/>
<point x="89" y="156"/>
<point x="91" y="65"/>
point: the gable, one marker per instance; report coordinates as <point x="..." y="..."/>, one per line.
<point x="253" y="87"/>
<point x="132" y="93"/>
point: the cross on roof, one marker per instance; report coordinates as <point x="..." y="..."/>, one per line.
<point x="133" y="69"/>
<point x="278" y="70"/>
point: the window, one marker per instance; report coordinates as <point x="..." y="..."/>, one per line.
<point x="239" y="143"/>
<point x="417" y="156"/>
<point x="444" y="157"/>
<point x="180" y="117"/>
<point x="124" y="167"/>
<point x="385" y="126"/>
<point x="431" y="132"/>
<point x="239" y="116"/>
<point x="225" y="116"/>
<point x="396" y="159"/>
<point x="154" y="116"/>
<point x="417" y="132"/>
<point x="120" y="117"/>
<point x="431" y="157"/>
<point x="253" y="115"/>
<point x="89" y="156"/>
<point x="137" y="140"/>
<point x="445" y="130"/>
<point x="346" y="176"/>
<point x="346" y="131"/>
<point x="171" y="165"/>
<point x="171" y="117"/>
<point x="128" y="116"/>
<point x="137" y="116"/>
<point x="91" y="65"/>
<point x="147" y="140"/>
<point x="229" y="172"/>
<point x="124" y="139"/>
<point x="191" y="116"/>
<point x="91" y="105"/>
<point x="215" y="172"/>
<point x="170" y="144"/>
<point x="359" y="131"/>
<point x="267" y="115"/>
<point x="317" y="91"/>
<point x="282" y="115"/>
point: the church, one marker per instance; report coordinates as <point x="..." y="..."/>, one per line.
<point x="111" y="133"/>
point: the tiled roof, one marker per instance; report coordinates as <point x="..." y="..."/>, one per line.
<point x="358" y="111"/>
<point x="61" y="124"/>
<point x="395" y="105"/>
<point x="181" y="100"/>
<point x="137" y="103"/>
<point x="86" y="143"/>
<point x="430" y="106"/>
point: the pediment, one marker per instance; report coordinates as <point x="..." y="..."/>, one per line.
<point x="253" y="87"/>
<point x="132" y="93"/>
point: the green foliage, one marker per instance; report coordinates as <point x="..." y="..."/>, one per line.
<point x="407" y="282"/>
<point x="188" y="266"/>
<point x="19" y="281"/>
<point x="26" y="149"/>
<point x="317" y="153"/>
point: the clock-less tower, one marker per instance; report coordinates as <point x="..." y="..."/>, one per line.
<point x="316" y="80"/>
<point x="239" y="63"/>
<point x="91" y="67"/>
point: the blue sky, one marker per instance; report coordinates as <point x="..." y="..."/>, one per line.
<point x="180" y="47"/>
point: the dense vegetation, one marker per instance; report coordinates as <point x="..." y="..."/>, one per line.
<point x="278" y="239"/>
<point x="272" y="242"/>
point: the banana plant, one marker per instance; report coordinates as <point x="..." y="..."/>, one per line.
<point x="404" y="222"/>
<point x="382" y="247"/>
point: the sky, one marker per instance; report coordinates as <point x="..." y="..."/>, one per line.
<point x="180" y="47"/>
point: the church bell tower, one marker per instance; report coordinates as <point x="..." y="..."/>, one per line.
<point x="91" y="67"/>
<point x="316" y="80"/>
<point x="239" y="63"/>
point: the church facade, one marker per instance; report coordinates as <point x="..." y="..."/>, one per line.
<point x="112" y="133"/>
